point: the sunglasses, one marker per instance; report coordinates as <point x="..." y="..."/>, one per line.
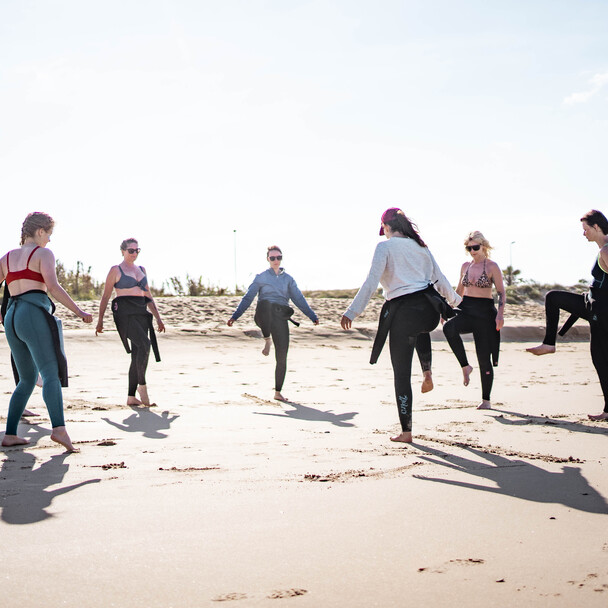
<point x="473" y="247"/>
<point x="272" y="258"/>
<point x="132" y="251"/>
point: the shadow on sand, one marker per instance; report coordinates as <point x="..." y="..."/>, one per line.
<point x="24" y="496"/>
<point x="303" y="412"/>
<point x="519" y="479"/>
<point x="567" y="425"/>
<point x="145" y="421"/>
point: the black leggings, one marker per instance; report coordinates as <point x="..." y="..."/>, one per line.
<point x="137" y="333"/>
<point x="478" y="317"/>
<point x="415" y="317"/>
<point x="273" y="324"/>
<point x="575" y="304"/>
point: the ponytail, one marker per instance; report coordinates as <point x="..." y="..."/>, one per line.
<point x="401" y="223"/>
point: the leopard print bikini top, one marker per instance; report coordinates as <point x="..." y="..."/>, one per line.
<point x="483" y="281"/>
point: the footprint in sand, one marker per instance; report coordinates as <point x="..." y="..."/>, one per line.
<point x="283" y="593"/>
<point x="229" y="597"/>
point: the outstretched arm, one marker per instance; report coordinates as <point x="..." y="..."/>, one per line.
<point x="245" y="303"/>
<point x="49" y="274"/>
<point x="297" y="297"/>
<point x="105" y="298"/>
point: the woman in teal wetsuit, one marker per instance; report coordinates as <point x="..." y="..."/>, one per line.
<point x="30" y="329"/>
<point x="131" y="309"/>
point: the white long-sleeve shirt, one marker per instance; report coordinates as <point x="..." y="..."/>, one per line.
<point x="401" y="266"/>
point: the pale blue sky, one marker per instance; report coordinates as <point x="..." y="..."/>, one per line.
<point x="298" y="122"/>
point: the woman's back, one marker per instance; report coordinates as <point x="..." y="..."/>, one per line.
<point x="22" y="269"/>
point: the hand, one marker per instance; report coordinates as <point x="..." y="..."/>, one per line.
<point x="230" y="322"/>
<point x="345" y="322"/>
<point x="316" y="322"/>
<point x="99" y="328"/>
<point x="86" y="317"/>
<point x="500" y="322"/>
<point x="161" y="325"/>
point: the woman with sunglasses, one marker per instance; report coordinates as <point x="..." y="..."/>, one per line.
<point x="591" y="306"/>
<point x="407" y="271"/>
<point x="133" y="321"/>
<point x="478" y="315"/>
<point x="274" y="288"/>
<point x="31" y="330"/>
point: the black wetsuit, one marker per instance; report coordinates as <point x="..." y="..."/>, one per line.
<point x="406" y="320"/>
<point x="592" y="307"/>
<point x="477" y="316"/>
<point x="134" y="325"/>
<point x="272" y="319"/>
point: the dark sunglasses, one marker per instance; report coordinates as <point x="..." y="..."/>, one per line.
<point x="473" y="247"/>
<point x="272" y="258"/>
<point x="132" y="251"/>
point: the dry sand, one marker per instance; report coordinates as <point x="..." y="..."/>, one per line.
<point x="219" y="496"/>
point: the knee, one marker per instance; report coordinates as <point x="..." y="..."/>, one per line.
<point x="449" y="329"/>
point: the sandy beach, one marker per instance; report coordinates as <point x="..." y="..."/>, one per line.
<point x="220" y="496"/>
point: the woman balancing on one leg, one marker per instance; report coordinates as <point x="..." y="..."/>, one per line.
<point x="274" y="288"/>
<point x="407" y="271"/>
<point x="478" y="314"/>
<point x="133" y="321"/>
<point x="592" y="306"/>
<point x="31" y="330"/>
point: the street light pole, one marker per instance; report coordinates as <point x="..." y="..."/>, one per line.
<point x="511" y="262"/>
<point x="236" y="286"/>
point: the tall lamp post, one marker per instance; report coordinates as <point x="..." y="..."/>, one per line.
<point x="236" y="285"/>
<point x="511" y="262"/>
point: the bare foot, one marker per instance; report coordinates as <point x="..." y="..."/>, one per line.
<point x="404" y="437"/>
<point x="60" y="435"/>
<point x="542" y="349"/>
<point x="267" y="344"/>
<point x="427" y="383"/>
<point x="133" y="401"/>
<point x="142" y="389"/>
<point x="27" y="413"/>
<point x="602" y="416"/>
<point x="279" y="397"/>
<point x="11" y="440"/>
<point x="484" y="405"/>
<point x="466" y="374"/>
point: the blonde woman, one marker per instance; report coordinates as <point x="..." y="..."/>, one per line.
<point x="31" y="330"/>
<point x="478" y="315"/>
<point x="133" y="321"/>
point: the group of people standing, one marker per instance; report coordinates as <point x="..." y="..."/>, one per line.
<point x="417" y="296"/>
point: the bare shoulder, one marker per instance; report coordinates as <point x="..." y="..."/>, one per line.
<point x="43" y="253"/>
<point x="493" y="266"/>
<point x="143" y="270"/>
<point x="465" y="266"/>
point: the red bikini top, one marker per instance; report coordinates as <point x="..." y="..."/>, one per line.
<point x="26" y="273"/>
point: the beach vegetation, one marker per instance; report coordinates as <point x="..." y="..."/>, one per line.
<point x="79" y="283"/>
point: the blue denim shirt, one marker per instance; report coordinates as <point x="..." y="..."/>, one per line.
<point x="277" y="288"/>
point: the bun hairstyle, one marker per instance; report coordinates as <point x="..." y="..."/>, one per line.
<point x="399" y="222"/>
<point x="34" y="222"/>
<point x="273" y="248"/>
<point x="125" y="244"/>
<point x="596" y="218"/>
<point x="478" y="237"/>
